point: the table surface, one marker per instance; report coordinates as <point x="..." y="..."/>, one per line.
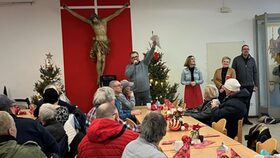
<point x="208" y="151"/>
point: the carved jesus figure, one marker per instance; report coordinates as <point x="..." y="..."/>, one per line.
<point x="100" y="43"/>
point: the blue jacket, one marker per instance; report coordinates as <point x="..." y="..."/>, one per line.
<point x="122" y="112"/>
<point x="186" y="76"/>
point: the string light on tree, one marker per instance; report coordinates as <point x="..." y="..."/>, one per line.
<point x="158" y="77"/>
<point x="49" y="74"/>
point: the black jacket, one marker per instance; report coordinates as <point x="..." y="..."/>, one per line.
<point x="28" y="129"/>
<point x="246" y="71"/>
<point x="203" y="113"/>
<point x="232" y="109"/>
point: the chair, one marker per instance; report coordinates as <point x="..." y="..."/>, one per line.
<point x="269" y="145"/>
<point x="220" y="126"/>
<point x="239" y="131"/>
<point x="131" y="123"/>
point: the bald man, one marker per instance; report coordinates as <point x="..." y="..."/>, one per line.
<point x="106" y="137"/>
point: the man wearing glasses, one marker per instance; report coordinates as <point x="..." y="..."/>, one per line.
<point x="137" y="72"/>
<point x="246" y="74"/>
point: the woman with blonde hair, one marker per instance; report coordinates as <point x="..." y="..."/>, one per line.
<point x="203" y="112"/>
<point x="192" y="78"/>
<point x="221" y="75"/>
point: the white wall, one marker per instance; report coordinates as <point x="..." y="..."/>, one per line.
<point x="186" y="26"/>
<point x="27" y="33"/>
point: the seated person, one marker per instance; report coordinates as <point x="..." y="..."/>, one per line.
<point x="147" y="145"/>
<point x="52" y="97"/>
<point x="106" y="137"/>
<point x="47" y="116"/>
<point x="233" y="106"/>
<point x="203" y="113"/>
<point x="127" y="96"/>
<point x="102" y="95"/>
<point x="8" y="144"/>
<point x="123" y="113"/>
<point x="28" y="129"/>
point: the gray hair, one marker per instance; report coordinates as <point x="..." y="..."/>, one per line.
<point x="47" y="112"/>
<point x="105" y="110"/>
<point x="153" y="127"/>
<point x="103" y="95"/>
<point x="211" y="91"/>
<point x="6" y="122"/>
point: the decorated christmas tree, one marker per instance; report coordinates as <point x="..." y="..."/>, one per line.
<point x="50" y="73"/>
<point x="158" y="76"/>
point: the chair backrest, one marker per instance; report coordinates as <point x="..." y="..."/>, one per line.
<point x="239" y="131"/>
<point x="131" y="123"/>
<point x="269" y="145"/>
<point x="220" y="126"/>
<point x="106" y="79"/>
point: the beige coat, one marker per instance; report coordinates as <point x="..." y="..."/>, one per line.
<point x="217" y="79"/>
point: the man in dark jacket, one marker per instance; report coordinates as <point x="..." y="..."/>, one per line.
<point x="8" y="144"/>
<point x="233" y="107"/>
<point x="246" y="74"/>
<point x="28" y="129"/>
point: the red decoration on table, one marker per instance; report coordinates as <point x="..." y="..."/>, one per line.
<point x="203" y="144"/>
<point x="168" y="104"/>
<point x="175" y="125"/>
<point x="184" y="152"/>
<point x="196" y="127"/>
<point x="234" y="154"/>
<point x="186" y="139"/>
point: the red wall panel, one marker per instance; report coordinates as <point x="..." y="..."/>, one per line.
<point x="80" y="70"/>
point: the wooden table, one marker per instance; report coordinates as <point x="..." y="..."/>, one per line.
<point x="207" y="152"/>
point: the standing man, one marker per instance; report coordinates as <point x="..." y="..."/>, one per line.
<point x="137" y="72"/>
<point x="246" y="74"/>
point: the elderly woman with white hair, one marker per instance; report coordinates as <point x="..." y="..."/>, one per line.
<point x="203" y="113"/>
<point x="102" y="95"/>
<point x="49" y="117"/>
<point x="233" y="106"/>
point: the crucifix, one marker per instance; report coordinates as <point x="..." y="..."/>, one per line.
<point x="100" y="43"/>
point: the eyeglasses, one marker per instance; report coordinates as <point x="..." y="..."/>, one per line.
<point x="245" y="49"/>
<point x="118" y="85"/>
<point x="134" y="57"/>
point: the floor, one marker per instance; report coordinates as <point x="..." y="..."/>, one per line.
<point x="274" y="131"/>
